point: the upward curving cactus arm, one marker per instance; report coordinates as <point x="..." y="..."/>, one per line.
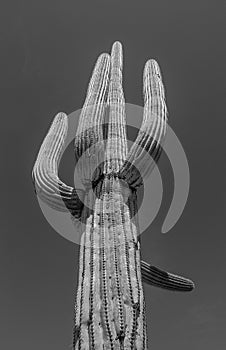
<point x="166" y="280"/>
<point x="92" y="113"/>
<point x="48" y="186"/>
<point x="116" y="148"/>
<point x="89" y="139"/>
<point x="153" y="129"/>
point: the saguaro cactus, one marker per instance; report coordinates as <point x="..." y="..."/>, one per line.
<point x="110" y="307"/>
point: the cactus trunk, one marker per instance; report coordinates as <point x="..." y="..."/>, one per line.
<point x="110" y="308"/>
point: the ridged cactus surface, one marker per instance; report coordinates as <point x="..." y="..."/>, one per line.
<point x="109" y="310"/>
<point x="110" y="307"/>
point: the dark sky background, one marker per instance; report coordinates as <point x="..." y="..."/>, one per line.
<point x="48" y="49"/>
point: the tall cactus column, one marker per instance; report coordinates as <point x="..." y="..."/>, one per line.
<point x="110" y="302"/>
<point x="109" y="308"/>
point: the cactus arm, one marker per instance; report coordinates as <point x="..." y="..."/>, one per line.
<point x="91" y="114"/>
<point x="152" y="131"/>
<point x="116" y="149"/>
<point x="89" y="134"/>
<point x="159" y="278"/>
<point x="48" y="186"/>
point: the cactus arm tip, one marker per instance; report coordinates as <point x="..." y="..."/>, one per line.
<point x="166" y="280"/>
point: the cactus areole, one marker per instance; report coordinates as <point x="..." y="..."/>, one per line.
<point x="109" y="307"/>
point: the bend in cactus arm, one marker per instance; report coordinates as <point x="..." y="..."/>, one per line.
<point x="152" y="131"/>
<point x="48" y="186"/>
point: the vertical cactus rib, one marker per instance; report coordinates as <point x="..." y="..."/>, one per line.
<point x="141" y="339"/>
<point x="136" y="332"/>
<point x="115" y="224"/>
<point x="79" y="297"/>
<point x="48" y="186"/>
<point x="107" y="309"/>
<point x="95" y="301"/>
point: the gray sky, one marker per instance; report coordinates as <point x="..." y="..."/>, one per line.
<point x="48" y="49"/>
